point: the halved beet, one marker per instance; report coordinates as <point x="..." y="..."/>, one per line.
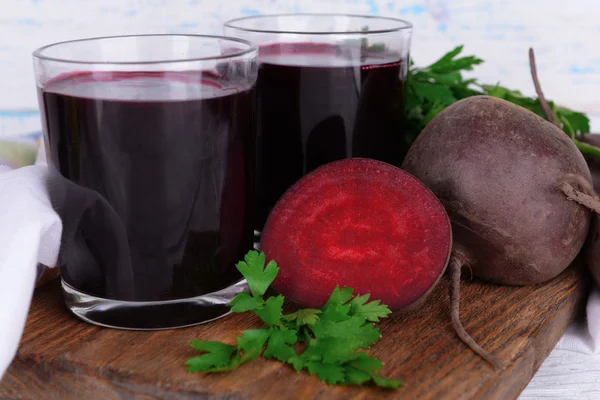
<point x="358" y="223"/>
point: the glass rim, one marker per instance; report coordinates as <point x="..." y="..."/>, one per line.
<point x="402" y="24"/>
<point x="251" y="47"/>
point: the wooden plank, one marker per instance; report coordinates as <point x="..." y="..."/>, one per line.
<point x="63" y="358"/>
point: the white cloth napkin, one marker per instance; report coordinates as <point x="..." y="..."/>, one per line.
<point x="30" y="233"/>
<point x="584" y="336"/>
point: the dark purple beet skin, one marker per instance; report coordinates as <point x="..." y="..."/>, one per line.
<point x="496" y="167"/>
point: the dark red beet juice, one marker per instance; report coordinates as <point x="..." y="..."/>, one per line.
<point x="319" y="103"/>
<point x="158" y="198"/>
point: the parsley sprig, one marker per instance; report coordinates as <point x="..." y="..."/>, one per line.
<point x="433" y="88"/>
<point x="329" y="342"/>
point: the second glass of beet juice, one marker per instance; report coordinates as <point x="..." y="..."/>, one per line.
<point x="151" y="147"/>
<point x="329" y="87"/>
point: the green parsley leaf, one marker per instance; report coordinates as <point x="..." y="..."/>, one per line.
<point x="270" y="313"/>
<point x="251" y="343"/>
<point x="329" y="373"/>
<point x="297" y="363"/>
<point x="449" y="62"/>
<point x="365" y="363"/>
<point x="353" y="332"/>
<point x="279" y="346"/>
<point x="355" y="376"/>
<point x="433" y="88"/>
<point x="372" y="366"/>
<point x="330" y="339"/>
<point x="307" y="316"/>
<point x="372" y="311"/>
<point x="258" y="276"/>
<point x="579" y="123"/>
<point x="329" y="350"/>
<point x="433" y="92"/>
<point x="459" y="64"/>
<point x="386" y="383"/>
<point x="448" y="78"/>
<point x="447" y="58"/>
<point x="243" y="302"/>
<point x="435" y="108"/>
<point x="304" y="334"/>
<point x="217" y="357"/>
<point x="339" y="296"/>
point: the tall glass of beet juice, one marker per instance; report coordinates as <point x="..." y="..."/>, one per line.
<point x="329" y="87"/>
<point x="151" y="143"/>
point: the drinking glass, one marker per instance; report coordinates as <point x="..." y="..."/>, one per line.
<point x="329" y="87"/>
<point x="151" y="145"/>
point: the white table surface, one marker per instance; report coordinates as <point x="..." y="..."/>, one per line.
<point x="566" y="375"/>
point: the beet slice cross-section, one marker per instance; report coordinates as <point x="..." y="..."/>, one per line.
<point x="359" y="223"/>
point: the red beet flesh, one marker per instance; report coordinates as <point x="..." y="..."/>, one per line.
<point x="358" y="223"/>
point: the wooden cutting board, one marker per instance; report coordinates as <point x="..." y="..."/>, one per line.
<point x="63" y="358"/>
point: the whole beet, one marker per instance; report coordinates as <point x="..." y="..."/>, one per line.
<point x="496" y="167"/>
<point x="593" y="245"/>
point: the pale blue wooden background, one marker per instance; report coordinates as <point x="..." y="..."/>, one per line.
<point x="566" y="36"/>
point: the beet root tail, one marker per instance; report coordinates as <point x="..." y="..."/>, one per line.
<point x="538" y="89"/>
<point x="583" y="194"/>
<point x="456" y="264"/>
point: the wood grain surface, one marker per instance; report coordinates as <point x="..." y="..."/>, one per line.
<point x="61" y="357"/>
